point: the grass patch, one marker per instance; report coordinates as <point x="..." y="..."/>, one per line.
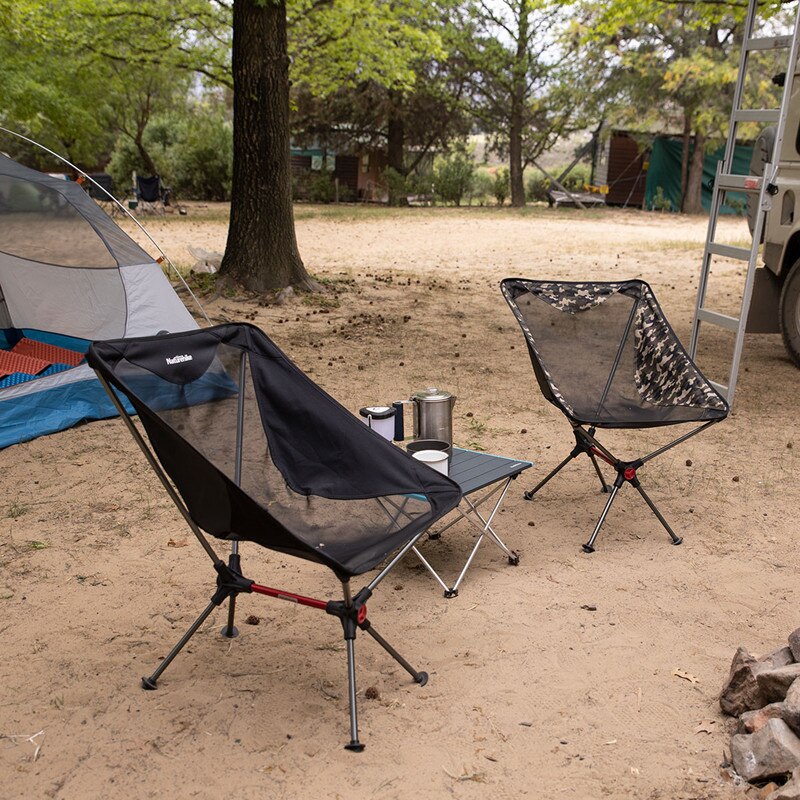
<point x="16" y="510"/>
<point x="36" y="545"/>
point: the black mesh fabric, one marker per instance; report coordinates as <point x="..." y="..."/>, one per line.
<point x="314" y="481"/>
<point x="604" y="353"/>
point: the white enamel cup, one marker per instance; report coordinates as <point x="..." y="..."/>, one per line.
<point x="436" y="459"/>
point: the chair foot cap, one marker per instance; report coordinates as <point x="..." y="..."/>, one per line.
<point x="229" y="633"/>
<point x="449" y="593"/>
<point x="149" y="684"/>
<point x="422" y="678"/>
<point x="587" y="548"/>
<point x="514" y="560"/>
<point x="355" y="747"/>
<point x="677" y="541"/>
<point x="434" y="536"/>
<point x="528" y="495"/>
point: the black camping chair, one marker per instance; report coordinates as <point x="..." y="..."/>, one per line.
<point x="257" y="452"/>
<point x="151" y="195"/>
<point x="605" y="356"/>
<point x="101" y="189"/>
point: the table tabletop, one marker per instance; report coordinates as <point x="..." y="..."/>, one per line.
<point x="473" y="470"/>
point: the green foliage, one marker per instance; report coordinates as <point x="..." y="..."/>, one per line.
<point x="501" y="187"/>
<point x="454" y="176"/>
<point x="660" y="201"/>
<point x="537" y="185"/>
<point x="482" y="186"/>
<point x="192" y="150"/>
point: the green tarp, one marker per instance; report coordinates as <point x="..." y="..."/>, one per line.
<point x="664" y="173"/>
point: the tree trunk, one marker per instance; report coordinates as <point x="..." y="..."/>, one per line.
<point x="147" y="159"/>
<point x="395" y="135"/>
<point x="687" y="140"/>
<point x="694" y="183"/>
<point x="261" y="253"/>
<point x="518" y="94"/>
<point x="515" y="158"/>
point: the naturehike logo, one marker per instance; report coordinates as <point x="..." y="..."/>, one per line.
<point x="178" y="359"/>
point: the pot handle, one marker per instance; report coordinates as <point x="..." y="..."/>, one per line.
<point x="399" y="427"/>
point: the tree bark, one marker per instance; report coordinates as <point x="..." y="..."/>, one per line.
<point x="518" y="93"/>
<point x="694" y="183"/>
<point x="395" y="146"/>
<point x="687" y="140"/>
<point x="261" y="253"/>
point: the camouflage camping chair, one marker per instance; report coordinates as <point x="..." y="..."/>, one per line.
<point x="606" y="357"/>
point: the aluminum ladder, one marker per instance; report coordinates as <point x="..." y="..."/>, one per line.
<point x="764" y="187"/>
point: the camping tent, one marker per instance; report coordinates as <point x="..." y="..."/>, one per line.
<point x="68" y="275"/>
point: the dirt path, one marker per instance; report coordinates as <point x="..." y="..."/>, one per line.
<point x="531" y="694"/>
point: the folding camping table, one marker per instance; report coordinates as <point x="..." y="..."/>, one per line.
<point x="474" y="471"/>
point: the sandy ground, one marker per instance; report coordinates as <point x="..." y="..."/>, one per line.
<point x="531" y="694"/>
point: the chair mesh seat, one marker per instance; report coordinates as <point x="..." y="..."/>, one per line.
<point x="313" y="480"/>
<point x="607" y="347"/>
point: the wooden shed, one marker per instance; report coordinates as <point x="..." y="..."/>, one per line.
<point x="621" y="164"/>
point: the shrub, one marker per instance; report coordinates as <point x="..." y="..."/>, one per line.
<point x="454" y="177"/>
<point x="192" y="150"/>
<point x="501" y="187"/>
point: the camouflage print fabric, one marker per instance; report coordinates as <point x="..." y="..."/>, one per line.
<point x="664" y="375"/>
<point x="574" y="297"/>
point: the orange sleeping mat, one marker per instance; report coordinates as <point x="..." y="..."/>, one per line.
<point x="50" y="353"/>
<point x="16" y="362"/>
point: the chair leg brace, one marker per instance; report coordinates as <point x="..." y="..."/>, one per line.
<point x="626" y="473"/>
<point x="352" y="613"/>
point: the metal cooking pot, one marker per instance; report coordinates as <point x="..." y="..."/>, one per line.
<point x="433" y="414"/>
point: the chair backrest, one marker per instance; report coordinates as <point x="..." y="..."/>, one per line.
<point x="148" y="189"/>
<point x="103" y="182"/>
<point x="259" y="452"/>
<point x="604" y="353"/>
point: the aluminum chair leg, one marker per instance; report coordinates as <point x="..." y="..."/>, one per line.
<point x="675" y="538"/>
<point x="419" y="677"/>
<point x="529" y="494"/>
<point x="151" y="682"/>
<point x="589" y="546"/>
<point x="354" y="744"/>
<point x="603" y="483"/>
<point x="230" y="631"/>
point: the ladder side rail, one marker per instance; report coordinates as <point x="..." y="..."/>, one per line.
<point x="758" y="227"/>
<point x="738" y="94"/>
<point x="702" y="285"/>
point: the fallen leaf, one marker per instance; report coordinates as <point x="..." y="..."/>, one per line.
<point x="687" y="676"/>
<point x="706" y="726"/>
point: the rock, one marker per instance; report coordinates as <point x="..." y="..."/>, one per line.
<point x="771" y="752"/>
<point x="766" y="790"/>
<point x="741" y="692"/>
<point x="752" y="721"/>
<point x="790" y="790"/>
<point x="773" y="684"/>
<point x="782" y="657"/>
<point x="285" y="295"/>
<point x="791" y="705"/>
<point x="207" y="260"/>
<point x="794" y="644"/>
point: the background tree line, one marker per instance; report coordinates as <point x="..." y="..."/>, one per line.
<point x="152" y="85"/>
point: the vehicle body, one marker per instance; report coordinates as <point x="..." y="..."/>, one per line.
<point x="775" y="306"/>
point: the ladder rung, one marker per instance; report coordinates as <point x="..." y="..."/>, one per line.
<point x="742" y="183"/>
<point x="714" y="317"/>
<point x="768" y="42"/>
<point x="729" y="251"/>
<point x="756" y="115"/>
<point x="720" y="387"/>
